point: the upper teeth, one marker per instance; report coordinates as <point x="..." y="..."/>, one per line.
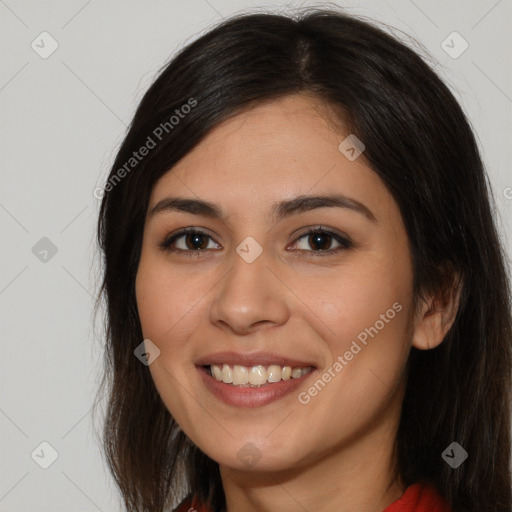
<point x="255" y="375"/>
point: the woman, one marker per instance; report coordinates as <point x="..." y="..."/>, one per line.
<point x="308" y="305"/>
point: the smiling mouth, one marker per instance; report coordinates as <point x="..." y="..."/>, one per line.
<point x="254" y="376"/>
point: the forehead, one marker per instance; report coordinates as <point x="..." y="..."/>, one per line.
<point x="290" y="129"/>
<point x="278" y="150"/>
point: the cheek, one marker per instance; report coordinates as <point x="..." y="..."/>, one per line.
<point x="367" y="314"/>
<point x="352" y="301"/>
<point x="368" y="354"/>
<point x="161" y="300"/>
<point x="151" y="302"/>
<point x="166" y="315"/>
<point x="172" y="305"/>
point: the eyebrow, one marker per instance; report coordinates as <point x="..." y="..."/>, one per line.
<point x="279" y="210"/>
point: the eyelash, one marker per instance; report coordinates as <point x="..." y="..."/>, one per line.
<point x="165" y="244"/>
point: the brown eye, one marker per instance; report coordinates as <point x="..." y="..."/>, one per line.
<point x="193" y="242"/>
<point x="321" y="240"/>
<point x="190" y="240"/>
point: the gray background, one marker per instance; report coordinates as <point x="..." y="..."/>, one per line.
<point x="62" y="119"/>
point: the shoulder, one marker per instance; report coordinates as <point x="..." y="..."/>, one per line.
<point x="191" y="504"/>
<point x="420" y="497"/>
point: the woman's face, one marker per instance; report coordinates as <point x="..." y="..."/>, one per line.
<point x="256" y="289"/>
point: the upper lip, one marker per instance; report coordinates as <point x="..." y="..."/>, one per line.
<point x="252" y="359"/>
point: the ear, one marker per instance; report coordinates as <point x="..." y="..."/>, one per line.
<point x="435" y="317"/>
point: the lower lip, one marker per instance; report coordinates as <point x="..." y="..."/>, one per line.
<point x="251" y="397"/>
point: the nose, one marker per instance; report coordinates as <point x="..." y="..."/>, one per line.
<point x="249" y="297"/>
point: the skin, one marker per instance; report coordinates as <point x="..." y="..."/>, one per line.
<point x="335" y="452"/>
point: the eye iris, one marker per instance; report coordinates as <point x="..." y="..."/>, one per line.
<point x="316" y="238"/>
<point x="196" y="239"/>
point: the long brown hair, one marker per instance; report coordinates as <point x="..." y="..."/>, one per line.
<point x="420" y="143"/>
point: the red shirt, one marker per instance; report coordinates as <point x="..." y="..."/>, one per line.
<point x="416" y="498"/>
